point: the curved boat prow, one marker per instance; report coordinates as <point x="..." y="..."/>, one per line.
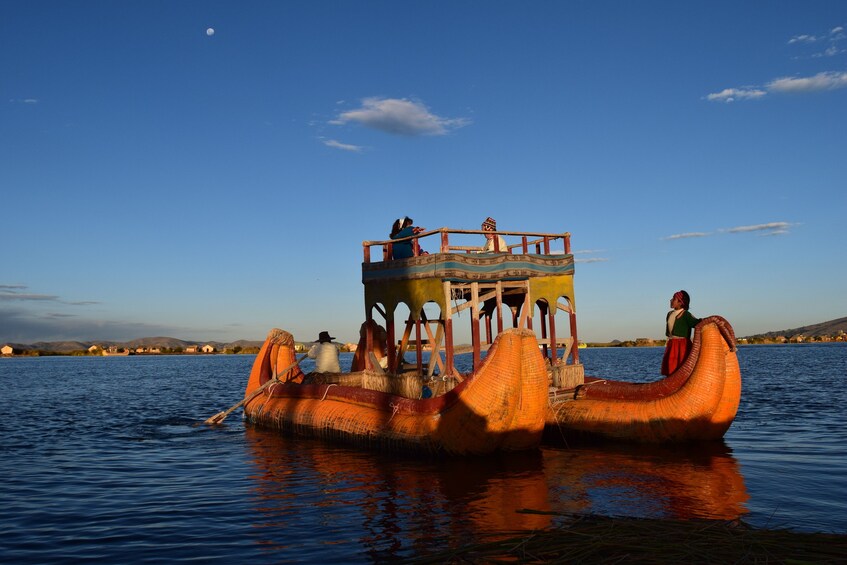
<point x="498" y="408"/>
<point x="697" y="402"/>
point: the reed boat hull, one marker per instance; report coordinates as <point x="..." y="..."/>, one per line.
<point x="500" y="407"/>
<point x="698" y="402"/>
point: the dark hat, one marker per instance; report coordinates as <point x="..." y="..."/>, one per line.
<point x="324" y="337"/>
<point x="489" y="224"/>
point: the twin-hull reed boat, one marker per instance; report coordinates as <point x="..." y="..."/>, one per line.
<point x="514" y="387"/>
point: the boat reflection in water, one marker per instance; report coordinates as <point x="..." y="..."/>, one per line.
<point x="308" y="492"/>
<point x="646" y="481"/>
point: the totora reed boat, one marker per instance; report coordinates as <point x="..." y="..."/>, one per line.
<point x="508" y="389"/>
<point x="697" y="402"/>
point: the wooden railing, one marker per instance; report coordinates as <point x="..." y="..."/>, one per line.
<point x="530" y="242"/>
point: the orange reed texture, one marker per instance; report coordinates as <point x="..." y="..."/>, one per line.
<point x="697" y="402"/>
<point x="499" y="408"/>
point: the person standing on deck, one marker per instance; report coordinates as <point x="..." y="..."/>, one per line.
<point x="678" y="325"/>
<point x="325" y="354"/>
<point x="490" y="224"/>
<point x="403" y="228"/>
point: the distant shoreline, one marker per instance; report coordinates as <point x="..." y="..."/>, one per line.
<point x="255" y="350"/>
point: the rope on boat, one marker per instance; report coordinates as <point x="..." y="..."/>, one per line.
<point x="395" y="408"/>
<point x="556" y="418"/>
<point x="326" y="390"/>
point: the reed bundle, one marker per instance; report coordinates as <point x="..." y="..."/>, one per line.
<point x="407" y="385"/>
<point x="607" y="540"/>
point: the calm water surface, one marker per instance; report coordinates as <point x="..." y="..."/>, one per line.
<point x="103" y="461"/>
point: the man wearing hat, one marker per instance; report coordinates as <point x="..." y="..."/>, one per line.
<point x="325" y="354"/>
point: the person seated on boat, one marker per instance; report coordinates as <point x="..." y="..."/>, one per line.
<point x="380" y="348"/>
<point x="678" y="325"/>
<point x="325" y="354"/>
<point x="404" y="228"/>
<point x="490" y="224"/>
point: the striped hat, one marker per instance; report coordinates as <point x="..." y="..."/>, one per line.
<point x="490" y="224"/>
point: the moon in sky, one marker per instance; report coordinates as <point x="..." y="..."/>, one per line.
<point x="210" y="32"/>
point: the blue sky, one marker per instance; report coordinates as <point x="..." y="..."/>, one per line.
<point x="158" y="178"/>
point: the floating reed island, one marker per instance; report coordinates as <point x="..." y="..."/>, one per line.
<point x="526" y="382"/>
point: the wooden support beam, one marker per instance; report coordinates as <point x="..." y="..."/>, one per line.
<point x="369" y="341"/>
<point x="575" y="338"/>
<point x="418" y="352"/>
<point x="475" y="324"/>
<point x="551" y="315"/>
<point x="449" y="369"/>
<point x="404" y="344"/>
<point x="526" y="311"/>
<point x="499" y="292"/>
<point x="391" y="346"/>
<point x="487" y="328"/>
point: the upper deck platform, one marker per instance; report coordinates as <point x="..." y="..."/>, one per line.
<point x="529" y="255"/>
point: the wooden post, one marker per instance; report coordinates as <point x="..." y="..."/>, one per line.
<point x="499" y="290"/>
<point x="418" y="352"/>
<point x="551" y="315"/>
<point x="575" y="348"/>
<point x="448" y="346"/>
<point x="475" y="324"/>
<point x="369" y="339"/>
<point x="524" y="245"/>
<point x="391" y="346"/>
<point x="546" y="245"/>
<point x="526" y="310"/>
<point x="445" y="243"/>
<point x="366" y="250"/>
<point x="488" y="328"/>
<point x="404" y="343"/>
<point x="568" y="243"/>
<point x="447" y="314"/>
<point x="545" y="347"/>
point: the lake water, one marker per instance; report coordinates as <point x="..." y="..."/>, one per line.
<point x="102" y="460"/>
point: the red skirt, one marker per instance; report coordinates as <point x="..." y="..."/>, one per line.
<point x="675" y="353"/>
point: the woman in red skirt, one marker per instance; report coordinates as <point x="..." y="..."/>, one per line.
<point x="678" y="328"/>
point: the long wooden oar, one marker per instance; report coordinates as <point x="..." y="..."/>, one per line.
<point x="221" y="416"/>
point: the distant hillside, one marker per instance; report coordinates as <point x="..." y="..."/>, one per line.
<point x="168" y="342"/>
<point x="58" y="346"/>
<point x="831" y="328"/>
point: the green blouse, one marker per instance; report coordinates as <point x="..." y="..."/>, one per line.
<point x="683" y="325"/>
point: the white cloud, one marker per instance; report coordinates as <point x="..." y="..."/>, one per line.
<point x="343" y="146"/>
<point x="829" y="80"/>
<point x="732" y="94"/>
<point x="687" y="235"/>
<point x="802" y="39"/>
<point x="817" y="83"/>
<point x="399" y="116"/>
<point x="591" y="260"/>
<point x="771" y="228"/>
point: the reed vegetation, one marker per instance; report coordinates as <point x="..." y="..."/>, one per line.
<point x="611" y="540"/>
